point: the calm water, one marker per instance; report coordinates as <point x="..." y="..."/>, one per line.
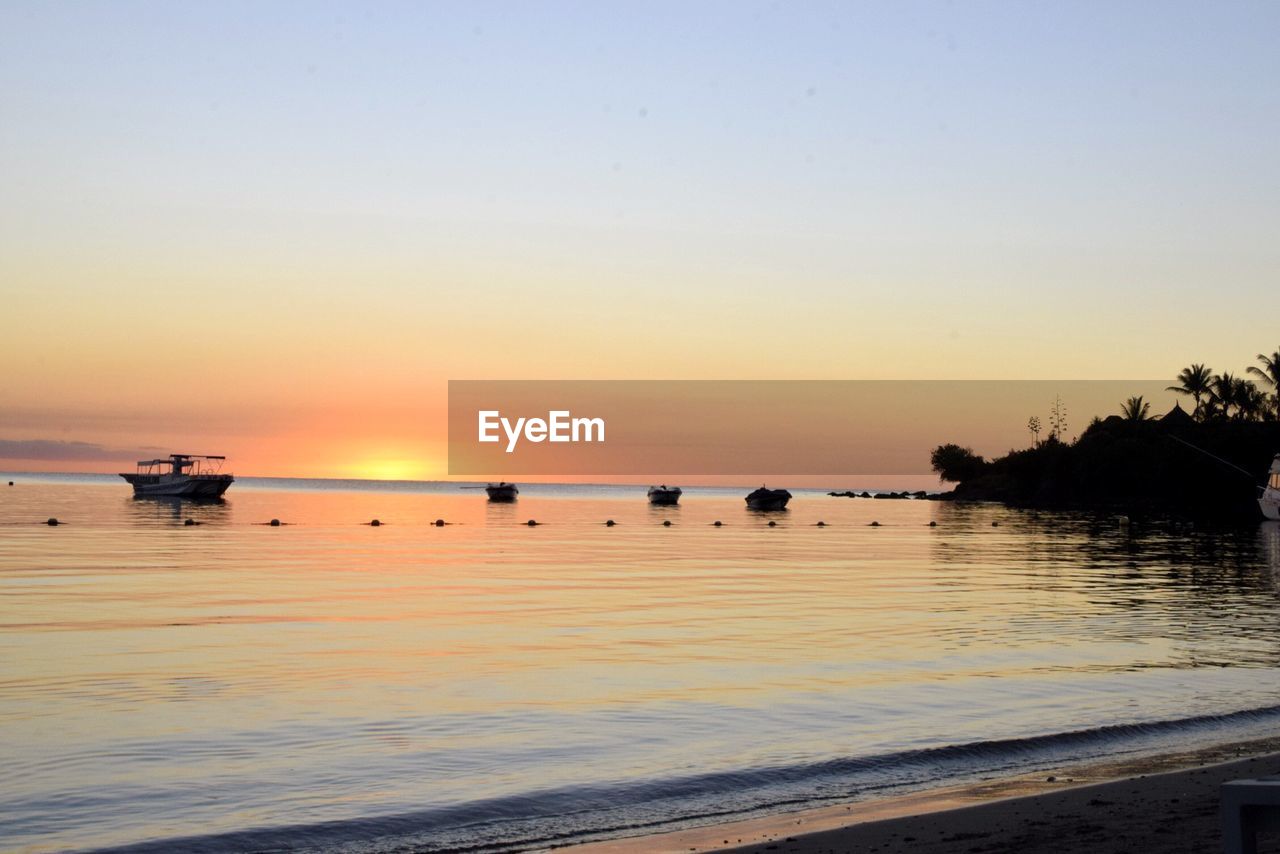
<point x="490" y="685"/>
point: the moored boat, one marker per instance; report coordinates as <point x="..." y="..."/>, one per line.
<point x="768" y="499"/>
<point x="664" y="495"/>
<point x="502" y="491"/>
<point x="1269" y="500"/>
<point x="180" y="476"/>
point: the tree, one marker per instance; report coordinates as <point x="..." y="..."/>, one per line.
<point x="956" y="464"/>
<point x="1057" y="419"/>
<point x="1222" y="396"/>
<point x="1269" y="373"/>
<point x="1195" y="381"/>
<point x="1033" y="424"/>
<point x="1251" y="402"/>
<point x="1135" y="409"/>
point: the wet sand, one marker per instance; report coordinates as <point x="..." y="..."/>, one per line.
<point x="1142" y="806"/>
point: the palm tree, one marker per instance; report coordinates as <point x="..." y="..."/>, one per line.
<point x="1269" y="373"/>
<point x="1134" y="409"/>
<point x="1196" y="382"/>
<point x="1251" y="402"/>
<point x="1223" y="390"/>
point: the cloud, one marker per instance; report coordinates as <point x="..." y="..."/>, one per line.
<point x="46" y="449"/>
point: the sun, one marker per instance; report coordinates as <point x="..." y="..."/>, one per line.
<point x="391" y="469"/>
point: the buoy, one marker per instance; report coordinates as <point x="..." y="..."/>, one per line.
<point x="275" y="523"/>
<point x="933" y="524"/>
<point x="610" y="523"/>
<point x="666" y="523"/>
<point x="772" y="524"/>
<point x="52" y="523"/>
<point x="717" y="523"/>
<point x="11" y="483"/>
<point x="874" y="525"/>
<point x="189" y="522"/>
<point x="375" y="523"/>
<point x="440" y="523"/>
<point x="821" y="524"/>
<point x="532" y="523"/>
<point x="995" y="524"/>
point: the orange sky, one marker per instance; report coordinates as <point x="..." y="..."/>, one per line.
<point x="247" y="235"/>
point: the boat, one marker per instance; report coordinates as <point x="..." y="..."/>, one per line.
<point x="180" y="476"/>
<point x="1269" y="500"/>
<point x="664" y="495"/>
<point x="768" y="499"/>
<point x="502" y="491"/>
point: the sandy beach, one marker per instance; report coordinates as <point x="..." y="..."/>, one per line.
<point x="1134" y="806"/>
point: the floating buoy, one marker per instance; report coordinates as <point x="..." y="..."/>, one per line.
<point x="11" y="483"/>
<point x="375" y="523"/>
<point x="189" y="522"/>
<point x="717" y="523"/>
<point x="874" y="525"/>
<point x="610" y="523"/>
<point x="52" y="523"/>
<point x="821" y="524"/>
<point x="772" y="524"/>
<point x="532" y="523"/>
<point x="440" y="523"/>
<point x="995" y="524"/>
<point x="275" y="523"/>
<point x="666" y="523"/>
<point x="933" y="524"/>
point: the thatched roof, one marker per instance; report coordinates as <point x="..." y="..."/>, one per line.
<point x="1176" y="416"/>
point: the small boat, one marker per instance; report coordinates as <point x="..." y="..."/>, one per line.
<point x="1269" y="500"/>
<point x="664" y="495"/>
<point x="180" y="476"/>
<point x="768" y="499"/>
<point x="502" y="491"/>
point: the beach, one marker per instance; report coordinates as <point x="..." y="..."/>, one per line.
<point x="1167" y="804"/>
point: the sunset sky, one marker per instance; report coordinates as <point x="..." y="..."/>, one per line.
<point x="276" y="231"/>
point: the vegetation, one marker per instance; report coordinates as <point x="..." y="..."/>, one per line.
<point x="1204" y="463"/>
<point x="955" y="464"/>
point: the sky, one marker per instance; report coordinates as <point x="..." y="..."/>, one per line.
<point x="276" y="231"/>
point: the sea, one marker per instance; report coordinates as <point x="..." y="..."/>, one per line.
<point x="456" y="679"/>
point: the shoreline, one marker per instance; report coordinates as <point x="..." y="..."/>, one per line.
<point x="1117" y="805"/>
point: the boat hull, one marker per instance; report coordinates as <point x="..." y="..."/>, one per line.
<point x="203" y="487"/>
<point x="664" y="497"/>
<point x="768" y="500"/>
<point x="501" y="493"/>
<point x="1269" y="504"/>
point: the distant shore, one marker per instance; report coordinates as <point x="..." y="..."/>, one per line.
<point x="1166" y="803"/>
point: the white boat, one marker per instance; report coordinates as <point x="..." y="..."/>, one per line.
<point x="665" y="495"/>
<point x="180" y="476"/>
<point x="502" y="491"/>
<point x="1269" y="500"/>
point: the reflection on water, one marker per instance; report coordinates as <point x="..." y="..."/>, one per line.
<point x="487" y="680"/>
<point x="158" y="509"/>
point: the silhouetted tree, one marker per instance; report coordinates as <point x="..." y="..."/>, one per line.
<point x="1057" y="419"/>
<point x="1251" y="402"/>
<point x="1033" y="424"/>
<point x="956" y="464"/>
<point x="1222" y="396"/>
<point x="1195" y="381"/>
<point x="1269" y="373"/>
<point x="1135" y="409"/>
